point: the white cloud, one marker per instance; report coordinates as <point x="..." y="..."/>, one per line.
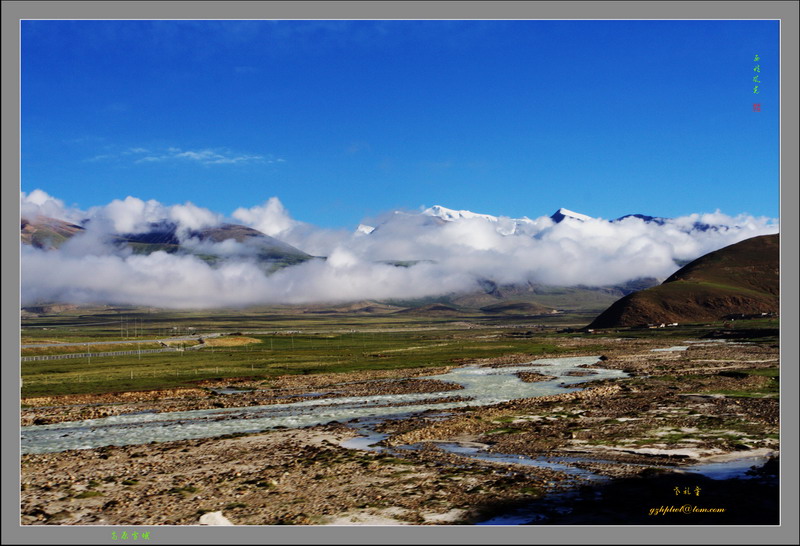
<point x="450" y="256"/>
<point x="167" y="280"/>
<point x="99" y="157"/>
<point x="190" y="216"/>
<point x="129" y="215"/>
<point x="205" y="156"/>
<point x="270" y="218"/>
<point x="39" y="203"/>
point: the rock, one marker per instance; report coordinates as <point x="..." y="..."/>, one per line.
<point x="214" y="518"/>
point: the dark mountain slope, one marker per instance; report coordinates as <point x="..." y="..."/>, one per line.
<point x="739" y="279"/>
<point x="516" y="308"/>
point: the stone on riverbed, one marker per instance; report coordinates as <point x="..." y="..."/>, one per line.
<point x="214" y="518"/>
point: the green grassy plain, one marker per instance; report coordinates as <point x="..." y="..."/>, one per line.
<point x="278" y="354"/>
<point x="290" y="342"/>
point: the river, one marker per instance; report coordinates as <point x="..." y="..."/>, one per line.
<point x="482" y="386"/>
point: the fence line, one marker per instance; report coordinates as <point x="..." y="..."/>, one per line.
<point x="87" y="355"/>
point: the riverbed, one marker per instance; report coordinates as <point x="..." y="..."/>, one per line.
<point x="476" y="444"/>
<point x="479" y="386"/>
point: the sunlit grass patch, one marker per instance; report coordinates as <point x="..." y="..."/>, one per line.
<point x="230" y="341"/>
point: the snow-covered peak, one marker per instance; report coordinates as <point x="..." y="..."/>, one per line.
<point x="503" y="224"/>
<point x="563" y="213"/>
<point x="450" y="215"/>
<point x="365" y="229"/>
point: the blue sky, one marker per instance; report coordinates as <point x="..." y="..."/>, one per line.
<point x="343" y="120"/>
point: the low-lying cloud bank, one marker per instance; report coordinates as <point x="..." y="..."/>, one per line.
<point x="439" y="256"/>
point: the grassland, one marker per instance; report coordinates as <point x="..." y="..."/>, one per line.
<point x="273" y="355"/>
<point x="274" y="345"/>
<point x="263" y="344"/>
<point x="115" y="324"/>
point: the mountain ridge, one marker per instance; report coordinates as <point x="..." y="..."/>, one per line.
<point x="739" y="279"/>
<point x="446" y="215"/>
<point x="50" y="233"/>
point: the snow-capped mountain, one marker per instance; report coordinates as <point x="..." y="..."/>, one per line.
<point x="562" y="214"/>
<point x="513" y="226"/>
<point x="439" y="216"/>
<point x="450" y="215"/>
<point x="364" y="229"/>
<point x="695" y="226"/>
<point x="643" y="217"/>
<point x="505" y="225"/>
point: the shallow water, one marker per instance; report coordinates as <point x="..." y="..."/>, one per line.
<point x="482" y="386"/>
<point x="551" y="463"/>
<point x="725" y="470"/>
<point x="229" y="390"/>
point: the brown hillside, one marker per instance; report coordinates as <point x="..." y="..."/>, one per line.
<point x="46" y="232"/>
<point x="739" y="279"/>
